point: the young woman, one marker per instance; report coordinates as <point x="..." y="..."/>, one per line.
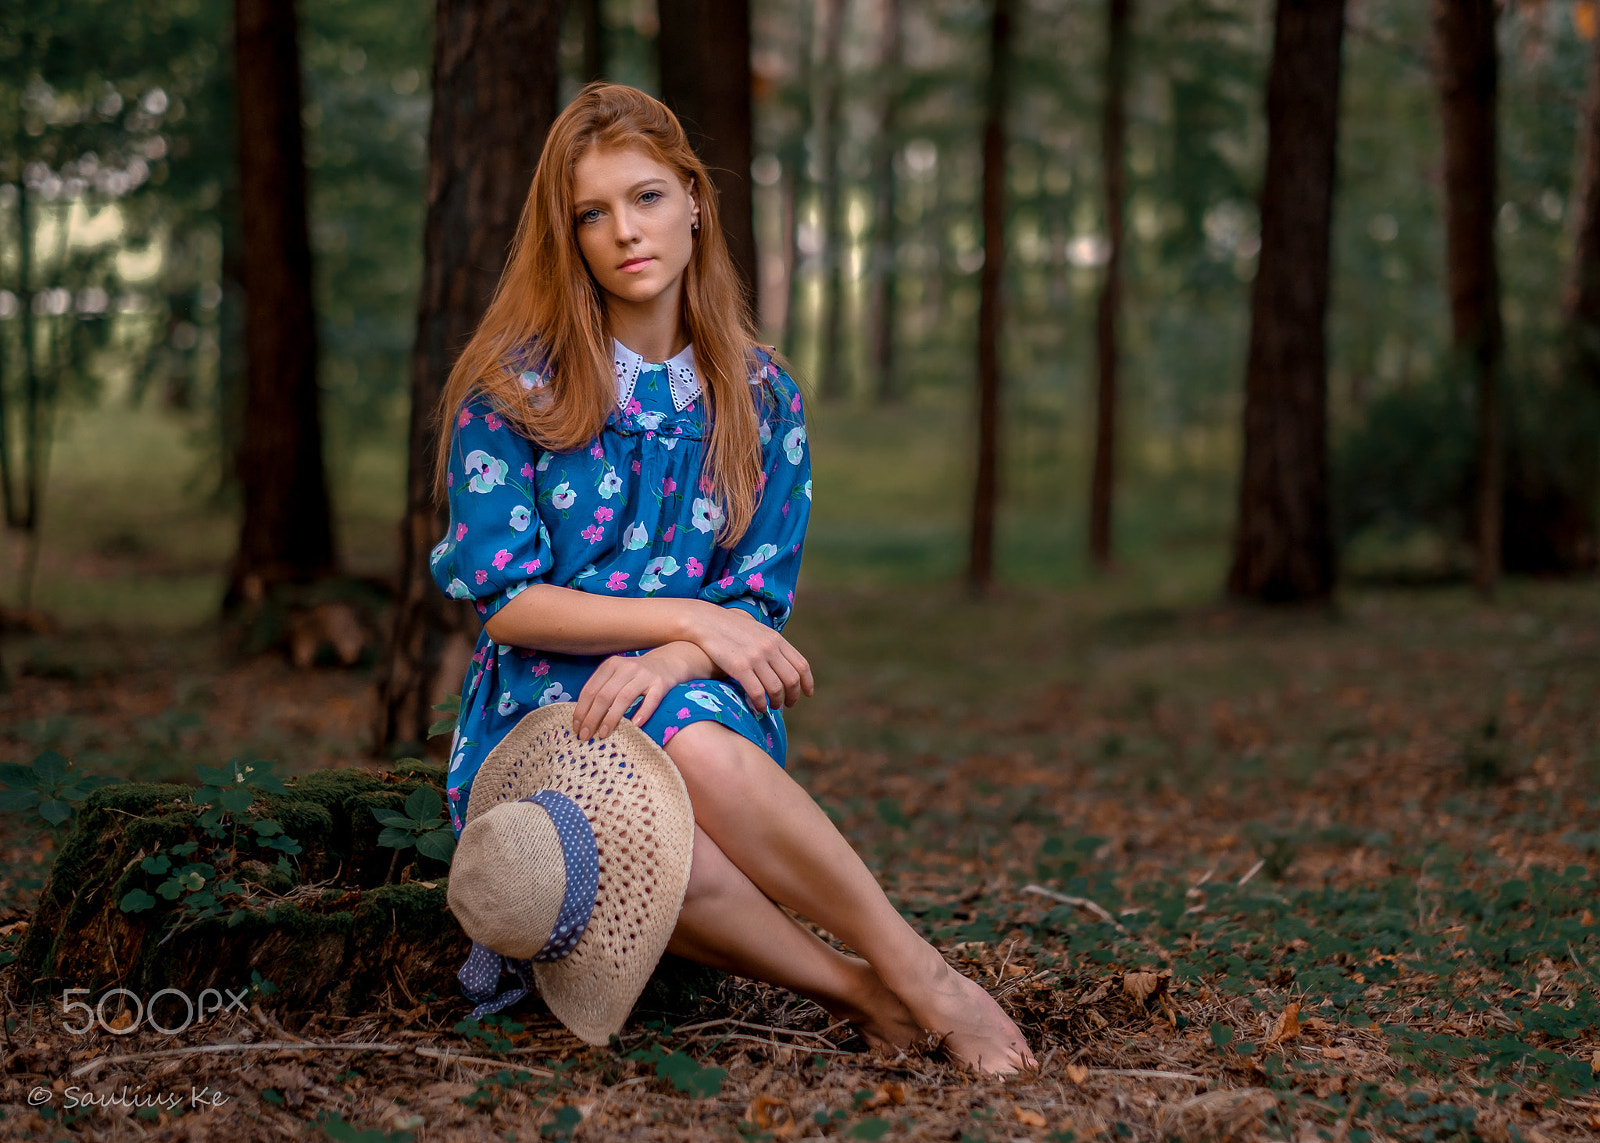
<point x="629" y="485"/>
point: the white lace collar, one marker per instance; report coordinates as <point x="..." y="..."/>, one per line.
<point x="682" y="377"/>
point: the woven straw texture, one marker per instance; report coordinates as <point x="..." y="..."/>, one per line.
<point x="636" y="801"/>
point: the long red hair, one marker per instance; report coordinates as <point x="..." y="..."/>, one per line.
<point x="547" y="297"/>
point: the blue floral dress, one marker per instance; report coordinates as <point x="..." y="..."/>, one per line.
<point x="628" y="515"/>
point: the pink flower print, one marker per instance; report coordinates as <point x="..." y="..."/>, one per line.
<point x="794" y="403"/>
<point x="597" y="452"/>
<point x="689" y="408"/>
<point x="483" y="609"/>
<point x="492" y="421"/>
<point x="527" y="472"/>
<point x="449" y="480"/>
<point x="755" y="582"/>
<point x="464" y="419"/>
<point x="669" y="485"/>
<point x="454" y="793"/>
<point x="705" y="485"/>
<point x="461" y="532"/>
<point x="481" y="575"/>
<point x="531" y="566"/>
<point x="636" y="468"/>
<point x="602" y="514"/>
<point x="726" y="581"/>
<point x="769" y="742"/>
<point x="633" y="408"/>
<point x="666" y="735"/>
<point x="501" y="559"/>
<point x="541" y="668"/>
<point x="694" y="567"/>
<point x="785" y="510"/>
<point x="761" y="484"/>
<point x="668" y="534"/>
<point x="478" y="655"/>
<point x="684" y="713"/>
<point x="593" y="533"/>
<point x="618" y="581"/>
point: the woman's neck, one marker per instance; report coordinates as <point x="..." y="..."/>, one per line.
<point x="655" y="331"/>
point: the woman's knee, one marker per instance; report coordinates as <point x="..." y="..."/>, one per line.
<point x="712" y="876"/>
<point x="712" y="757"/>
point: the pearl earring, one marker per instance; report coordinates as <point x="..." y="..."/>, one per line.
<point x="695" y="225"/>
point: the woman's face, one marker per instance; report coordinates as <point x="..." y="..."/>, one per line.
<point x="633" y="217"/>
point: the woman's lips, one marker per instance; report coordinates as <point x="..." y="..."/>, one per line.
<point x="634" y="265"/>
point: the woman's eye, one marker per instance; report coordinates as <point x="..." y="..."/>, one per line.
<point x="588" y="216"/>
<point x="649" y="196"/>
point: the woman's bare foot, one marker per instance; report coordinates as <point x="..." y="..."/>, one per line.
<point x="975" y="1030"/>
<point x="873" y="1010"/>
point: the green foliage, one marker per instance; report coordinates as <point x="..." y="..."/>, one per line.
<point x="48" y="787"/>
<point x="334" y="1127"/>
<point x="562" y="1124"/>
<point x="451" y="707"/>
<point x="682" y="1071"/>
<point x="493" y="1031"/>
<point x="422" y="825"/>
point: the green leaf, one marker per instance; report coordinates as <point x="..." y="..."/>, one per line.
<point x="869" y="1129"/>
<point x="443" y="726"/>
<point x="19" y="798"/>
<point x="236" y="800"/>
<point x="54" y="811"/>
<point x="220" y="776"/>
<point x="424" y="804"/>
<point x="396" y="838"/>
<point x="51" y="768"/>
<point x="284" y="844"/>
<point x="439" y="844"/>
<point x="13" y="774"/>
<point x="170" y="888"/>
<point x="451" y="704"/>
<point x="259" y="775"/>
<point x="185" y="849"/>
<point x="191" y="881"/>
<point x="1221" y="1034"/>
<point x="267" y="828"/>
<point x="689" y="1075"/>
<point x="390" y="818"/>
<point x="136" y="901"/>
<point x="157" y="863"/>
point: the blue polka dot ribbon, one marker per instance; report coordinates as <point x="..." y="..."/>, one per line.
<point x="480" y="975"/>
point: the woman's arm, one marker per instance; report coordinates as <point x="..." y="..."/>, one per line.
<point x="728" y="639"/>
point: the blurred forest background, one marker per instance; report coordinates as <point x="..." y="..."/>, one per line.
<point x="1125" y="144"/>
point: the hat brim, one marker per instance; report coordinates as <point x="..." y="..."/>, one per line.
<point x="636" y="801"/>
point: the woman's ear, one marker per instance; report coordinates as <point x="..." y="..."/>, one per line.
<point x="694" y="207"/>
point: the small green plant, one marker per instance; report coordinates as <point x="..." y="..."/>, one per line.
<point x="335" y="1128"/>
<point x="451" y="708"/>
<point x="422" y="825"/>
<point x="564" y="1123"/>
<point x="230" y="790"/>
<point x="682" y="1070"/>
<point x="493" y="1032"/>
<point x="48" y="787"/>
<point x="491" y="1090"/>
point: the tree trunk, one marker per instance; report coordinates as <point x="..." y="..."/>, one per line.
<point x="494" y="98"/>
<point x="1112" y="140"/>
<point x="1468" y="66"/>
<point x="986" y="486"/>
<point x="885" y="229"/>
<point x="1283" y="549"/>
<point x="830" y="98"/>
<point x="796" y="183"/>
<point x="594" y="40"/>
<point x="287" y="532"/>
<point x="704" y="54"/>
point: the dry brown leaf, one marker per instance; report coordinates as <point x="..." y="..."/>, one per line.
<point x="1029" y="1118"/>
<point x="1594" y="1062"/>
<point x="1143" y="985"/>
<point x="1315" y="1024"/>
<point x="123" y="1022"/>
<point x="1586" y="920"/>
<point x="761" y="1113"/>
<point x="1335" y="1053"/>
<point x="14" y="927"/>
<point x="1077" y="1073"/>
<point x="1288" y="1024"/>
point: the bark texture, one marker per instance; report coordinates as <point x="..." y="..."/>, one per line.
<point x="883" y="307"/>
<point x="286" y="532"/>
<point x="986" y="485"/>
<point x="494" y="98"/>
<point x="827" y="136"/>
<point x="1283" y="548"/>
<point x="704" y="54"/>
<point x="1113" y="134"/>
<point x="1468" y="74"/>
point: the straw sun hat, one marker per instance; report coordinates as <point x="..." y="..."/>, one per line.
<point x="575" y="856"/>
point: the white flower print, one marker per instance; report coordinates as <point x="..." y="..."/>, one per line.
<point x="657" y="570"/>
<point x="650" y="422"/>
<point x="766" y="433"/>
<point x="701" y="698"/>
<point x="562" y="495"/>
<point x="668" y="443"/>
<point x="807" y="487"/>
<point x="438" y="552"/>
<point x="520" y="518"/>
<point x="635" y="537"/>
<point x="459" y="590"/>
<point x="760" y="556"/>
<point x="792" y="442"/>
<point x="486" y="471"/>
<point x="707" y="514"/>
<point x="610" y="484"/>
<point x="555" y="692"/>
<point x="507" y="704"/>
<point x="544" y="463"/>
<point x="733" y="696"/>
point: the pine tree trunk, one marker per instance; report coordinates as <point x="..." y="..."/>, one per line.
<point x="797" y="189"/>
<point x="1112" y="138"/>
<point x="885" y="229"/>
<point x="986" y="486"/>
<point x="1468" y="70"/>
<point x="1283" y="549"/>
<point x="286" y="532"/>
<point x="494" y="98"/>
<point x="704" y="55"/>
<point x="594" y="40"/>
<point x="833" y="383"/>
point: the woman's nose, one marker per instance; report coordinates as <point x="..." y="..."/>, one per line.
<point x="627" y="229"/>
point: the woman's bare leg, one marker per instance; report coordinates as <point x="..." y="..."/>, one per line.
<point x="771" y="830"/>
<point x="728" y="923"/>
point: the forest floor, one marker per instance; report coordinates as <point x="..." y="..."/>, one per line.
<point x="1237" y="874"/>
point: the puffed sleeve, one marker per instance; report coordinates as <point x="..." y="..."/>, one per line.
<point x="758" y="573"/>
<point x="496" y="545"/>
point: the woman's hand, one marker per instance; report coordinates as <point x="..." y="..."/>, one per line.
<point x="619" y="680"/>
<point x="753" y="655"/>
